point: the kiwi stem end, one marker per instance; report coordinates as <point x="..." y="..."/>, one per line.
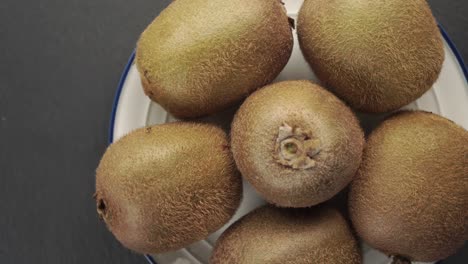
<point x="100" y="206"/>
<point x="295" y="148"/>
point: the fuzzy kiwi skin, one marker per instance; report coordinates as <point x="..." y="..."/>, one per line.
<point x="272" y="235"/>
<point x="410" y="196"/>
<point x="199" y="57"/>
<point x="164" y="187"/>
<point x="307" y="106"/>
<point x="376" y="55"/>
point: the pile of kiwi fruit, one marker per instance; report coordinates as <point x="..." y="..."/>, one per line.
<point x="298" y="143"/>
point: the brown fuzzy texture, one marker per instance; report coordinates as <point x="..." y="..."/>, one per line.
<point x="167" y="186"/>
<point x="410" y="197"/>
<point x="376" y="55"/>
<point x="199" y="57"/>
<point x="288" y="236"/>
<point x="304" y="105"/>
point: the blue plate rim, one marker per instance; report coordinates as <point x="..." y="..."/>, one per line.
<point x="129" y="64"/>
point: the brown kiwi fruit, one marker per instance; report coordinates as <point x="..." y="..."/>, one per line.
<point x="199" y="57"/>
<point x="272" y="235"/>
<point x="164" y="187"/>
<point x="296" y="143"/>
<point x="376" y="55"/>
<point x="410" y="196"/>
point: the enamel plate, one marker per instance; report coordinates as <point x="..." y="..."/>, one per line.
<point x="132" y="110"/>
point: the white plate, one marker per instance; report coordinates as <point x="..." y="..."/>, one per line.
<point x="132" y="110"/>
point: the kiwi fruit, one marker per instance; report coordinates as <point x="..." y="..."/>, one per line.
<point x="376" y="55"/>
<point x="164" y="187"/>
<point x="296" y="143"/>
<point x="272" y="235"/>
<point x="410" y="196"/>
<point x="199" y="57"/>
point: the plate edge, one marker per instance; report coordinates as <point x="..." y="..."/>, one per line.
<point x="115" y="104"/>
<point x="455" y="51"/>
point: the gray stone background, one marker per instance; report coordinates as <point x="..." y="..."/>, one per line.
<point x="60" y="62"/>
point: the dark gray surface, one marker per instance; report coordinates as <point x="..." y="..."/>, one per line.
<point x="60" y="63"/>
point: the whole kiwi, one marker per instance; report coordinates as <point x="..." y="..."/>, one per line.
<point x="272" y="235"/>
<point x="164" y="187"/>
<point x="377" y="55"/>
<point x="199" y="57"/>
<point x="296" y="143"/>
<point x="410" y="196"/>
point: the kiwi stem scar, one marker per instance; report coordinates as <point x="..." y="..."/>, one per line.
<point x="295" y="148"/>
<point x="101" y="206"/>
<point x="291" y="147"/>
